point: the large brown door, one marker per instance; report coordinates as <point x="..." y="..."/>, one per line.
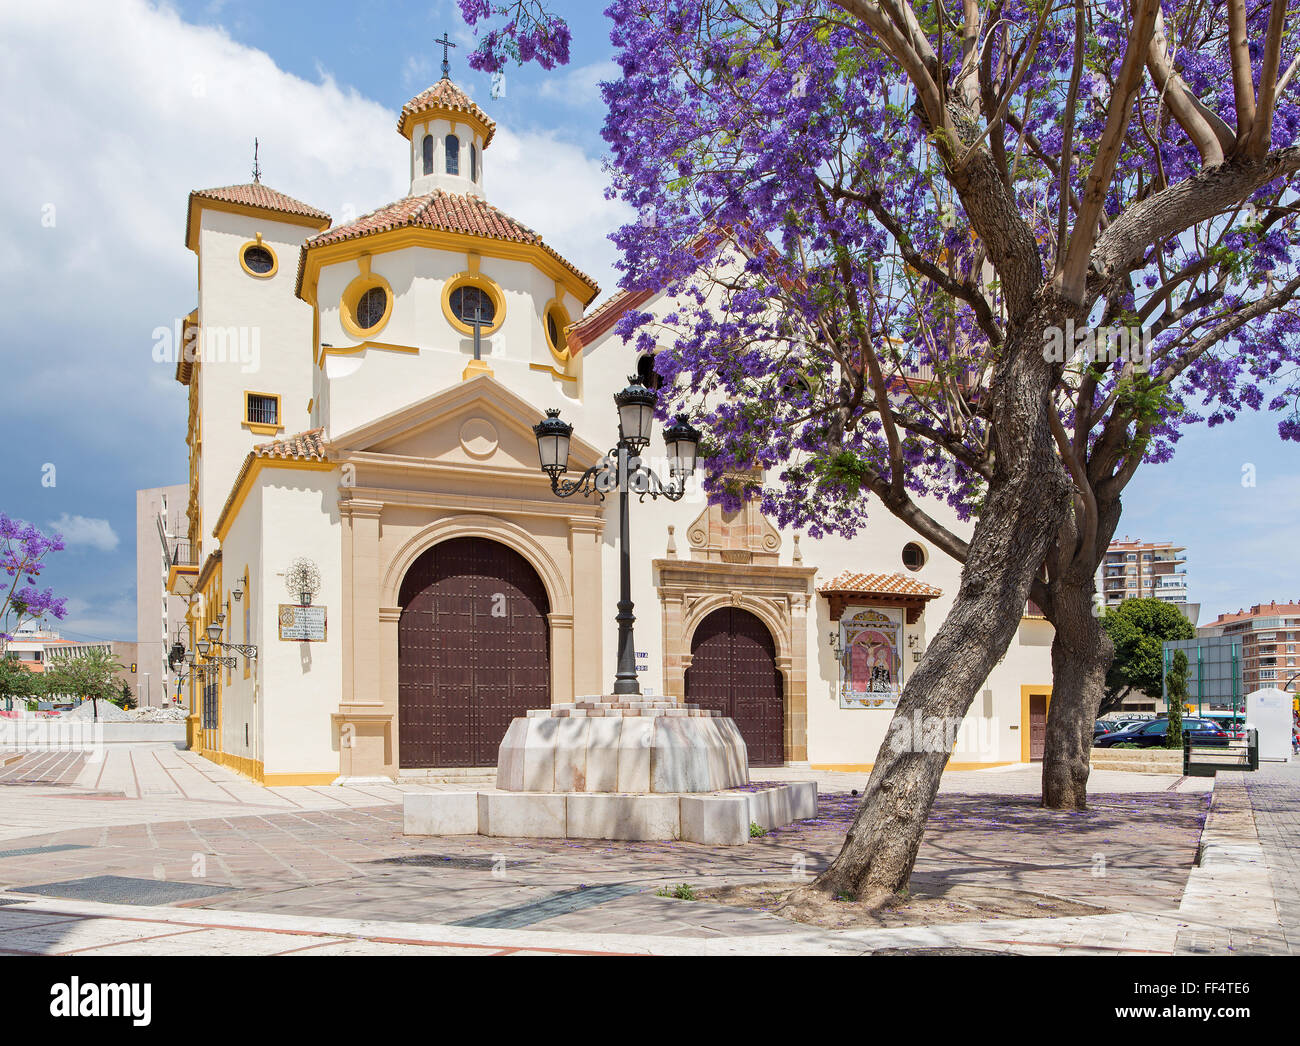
<point x="473" y="653"/>
<point x="1037" y="726"/>
<point x="733" y="670"/>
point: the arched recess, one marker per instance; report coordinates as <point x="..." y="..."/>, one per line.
<point x="474" y="652"/>
<point x="494" y="529"/>
<point x="733" y="670"/>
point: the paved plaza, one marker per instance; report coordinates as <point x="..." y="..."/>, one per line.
<point x="153" y="850"/>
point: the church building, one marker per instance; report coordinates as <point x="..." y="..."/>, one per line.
<point x="380" y="577"/>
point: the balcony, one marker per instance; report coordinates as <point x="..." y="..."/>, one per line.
<point x="182" y="567"/>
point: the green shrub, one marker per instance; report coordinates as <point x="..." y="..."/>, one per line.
<point x="756" y="830"/>
<point x="683" y="892"/>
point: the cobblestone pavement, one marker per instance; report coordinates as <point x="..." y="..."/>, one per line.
<point x="332" y="853"/>
<point x="1275" y="799"/>
<point x="136" y="784"/>
<point x="210" y="863"/>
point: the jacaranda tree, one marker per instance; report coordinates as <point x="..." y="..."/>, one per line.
<point x="991" y="254"/>
<point x="23" y="549"/>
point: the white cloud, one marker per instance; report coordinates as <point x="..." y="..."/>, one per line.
<point x="556" y="189"/>
<point x="580" y="86"/>
<point x="122" y="109"/>
<point x="80" y="532"/>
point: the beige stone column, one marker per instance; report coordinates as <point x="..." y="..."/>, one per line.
<point x="587" y="622"/>
<point x="796" y="745"/>
<point x="365" y="598"/>
<point x="674" y="651"/>
<point x="562" y="666"/>
<point x="365" y="720"/>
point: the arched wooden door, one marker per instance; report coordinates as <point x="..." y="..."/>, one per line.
<point x="733" y="670"/>
<point x="474" y="653"/>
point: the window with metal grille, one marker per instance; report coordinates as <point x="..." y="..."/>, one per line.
<point x="428" y="154"/>
<point x="453" y="154"/>
<point x="371" y="308"/>
<point x="471" y="303"/>
<point x="473" y="163"/>
<point x="210" y="699"/>
<point x="263" y="410"/>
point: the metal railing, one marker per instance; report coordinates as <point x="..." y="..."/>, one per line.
<point x="1207" y="760"/>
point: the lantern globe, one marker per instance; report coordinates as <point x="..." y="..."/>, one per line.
<point x="683" y="441"/>
<point x="636" y="413"/>
<point x="554" y="437"/>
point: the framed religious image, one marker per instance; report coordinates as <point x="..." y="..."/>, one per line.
<point x="871" y="658"/>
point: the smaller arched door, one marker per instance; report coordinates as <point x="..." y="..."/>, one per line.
<point x="733" y="671"/>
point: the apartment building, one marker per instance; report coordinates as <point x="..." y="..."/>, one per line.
<point x="161" y="540"/>
<point x="1270" y="644"/>
<point x="1143" y="570"/>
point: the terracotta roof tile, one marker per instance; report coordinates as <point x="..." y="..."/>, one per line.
<point x="444" y="212"/>
<point x="445" y="95"/>
<point x="605" y="316"/>
<point x="306" y="446"/>
<point x="879" y="584"/>
<point x="255" y="194"/>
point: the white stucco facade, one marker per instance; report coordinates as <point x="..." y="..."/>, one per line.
<point x="391" y="442"/>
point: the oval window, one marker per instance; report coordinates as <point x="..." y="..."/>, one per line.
<point x="473" y="305"/>
<point x="555" y="331"/>
<point x="371" y="308"/>
<point x="258" y="260"/>
<point x="913" y="556"/>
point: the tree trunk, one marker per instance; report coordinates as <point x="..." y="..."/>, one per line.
<point x="1081" y="657"/>
<point x="1027" y="503"/>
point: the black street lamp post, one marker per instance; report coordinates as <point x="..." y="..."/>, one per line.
<point x="624" y="470"/>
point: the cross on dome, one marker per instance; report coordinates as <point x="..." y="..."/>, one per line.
<point x="446" y="59"/>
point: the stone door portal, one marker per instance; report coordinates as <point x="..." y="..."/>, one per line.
<point x="733" y="670"/>
<point x="473" y="653"/>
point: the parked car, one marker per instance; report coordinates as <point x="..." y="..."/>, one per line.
<point x="1234" y="727"/>
<point x="1152" y="734"/>
<point x="1105" y="726"/>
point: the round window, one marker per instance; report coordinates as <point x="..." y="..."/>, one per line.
<point x="259" y="260"/>
<point x="553" y="332"/>
<point x="371" y="308"/>
<point x="473" y="305"/>
<point x="913" y="556"/>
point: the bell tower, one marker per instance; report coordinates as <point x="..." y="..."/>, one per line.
<point x="449" y="134"/>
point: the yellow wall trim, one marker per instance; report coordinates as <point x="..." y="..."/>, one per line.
<point x="553" y="372"/>
<point x="489" y="286"/>
<point x="355" y="350"/>
<point x="245" y="482"/>
<point x="358" y="289"/>
<point x="299" y="780"/>
<point x="579" y="285"/>
<point x="202" y="203"/>
<point x="275" y="259"/>
<point x="1025" y="733"/>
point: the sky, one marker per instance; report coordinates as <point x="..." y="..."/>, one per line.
<point x="117" y="109"/>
